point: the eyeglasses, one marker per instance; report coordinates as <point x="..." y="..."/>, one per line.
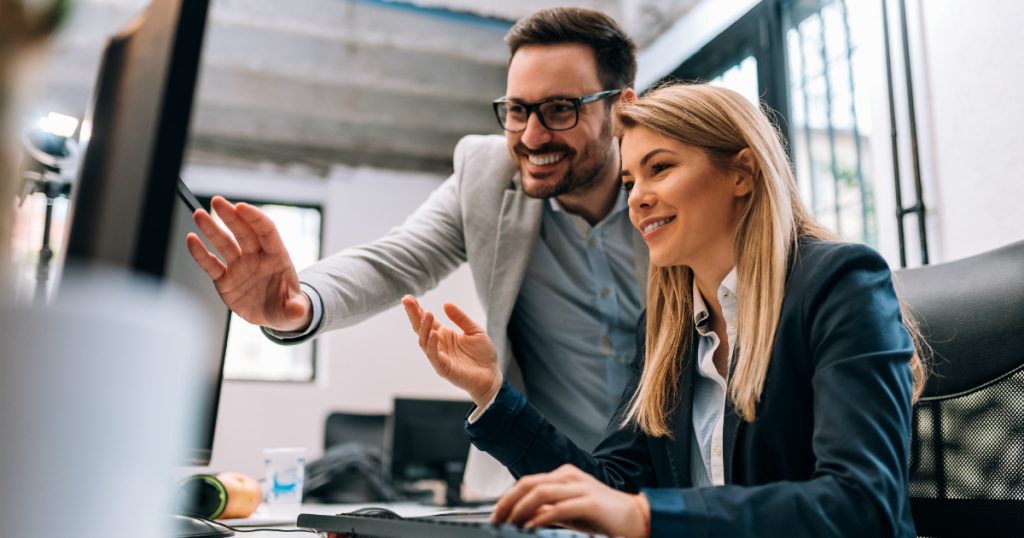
<point x="555" y="114"/>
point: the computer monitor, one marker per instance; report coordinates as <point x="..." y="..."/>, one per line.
<point x="428" y="441"/>
<point x="129" y="208"/>
<point x="134" y="135"/>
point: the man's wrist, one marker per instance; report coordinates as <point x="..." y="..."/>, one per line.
<point x="300" y="325"/>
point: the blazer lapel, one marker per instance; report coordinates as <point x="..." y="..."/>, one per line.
<point x="517" y="232"/>
<point x="730" y="425"/>
<point x="682" y="419"/>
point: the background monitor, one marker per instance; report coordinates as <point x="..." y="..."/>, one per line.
<point x="429" y="441"/>
<point x="128" y="207"/>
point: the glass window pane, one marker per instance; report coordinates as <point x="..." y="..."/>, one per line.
<point x="831" y="142"/>
<point x="250" y="356"/>
<point x="741" y="78"/>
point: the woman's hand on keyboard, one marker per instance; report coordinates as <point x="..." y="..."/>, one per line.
<point x="568" y="496"/>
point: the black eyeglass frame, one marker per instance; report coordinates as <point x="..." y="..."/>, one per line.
<point x="534" y="108"/>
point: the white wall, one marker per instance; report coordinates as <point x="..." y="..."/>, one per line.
<point x="970" y="82"/>
<point x="359" y="369"/>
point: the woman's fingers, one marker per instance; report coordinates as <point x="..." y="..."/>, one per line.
<point x="461" y="319"/>
<point x="426" y="325"/>
<point x="412" y="311"/>
<point x="575" y="509"/>
<point x="509" y="500"/>
<point x="550" y="493"/>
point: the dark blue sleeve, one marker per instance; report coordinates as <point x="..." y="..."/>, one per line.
<point x="860" y="352"/>
<point x="517" y="435"/>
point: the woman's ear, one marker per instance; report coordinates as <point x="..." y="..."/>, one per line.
<point x="628" y="95"/>
<point x="747" y="170"/>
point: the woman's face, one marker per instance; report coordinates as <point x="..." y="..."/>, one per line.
<point x="686" y="207"/>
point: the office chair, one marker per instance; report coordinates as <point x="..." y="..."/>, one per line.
<point x="352" y="427"/>
<point x="352" y="469"/>
<point x="967" y="450"/>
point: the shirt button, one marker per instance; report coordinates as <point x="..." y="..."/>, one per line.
<point x="591" y="242"/>
<point x="718" y="451"/>
<point x="605" y="292"/>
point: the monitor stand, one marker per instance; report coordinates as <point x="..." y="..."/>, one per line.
<point x="191" y="527"/>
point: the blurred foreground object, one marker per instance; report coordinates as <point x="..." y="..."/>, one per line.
<point x="24" y="26"/>
<point x="95" y="395"/>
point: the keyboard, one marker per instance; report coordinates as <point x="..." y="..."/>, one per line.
<point x="426" y="527"/>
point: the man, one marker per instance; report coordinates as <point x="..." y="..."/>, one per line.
<point x="556" y="263"/>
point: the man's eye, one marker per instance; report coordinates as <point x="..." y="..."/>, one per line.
<point x="516" y="109"/>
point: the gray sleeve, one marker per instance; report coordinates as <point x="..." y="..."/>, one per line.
<point x="359" y="282"/>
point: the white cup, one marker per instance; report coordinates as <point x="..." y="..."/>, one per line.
<point x="283" y="479"/>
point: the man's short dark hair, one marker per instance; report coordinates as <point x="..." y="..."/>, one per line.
<point x="614" y="51"/>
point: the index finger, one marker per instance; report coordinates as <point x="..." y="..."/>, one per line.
<point x="511" y="498"/>
<point x="413" y="311"/>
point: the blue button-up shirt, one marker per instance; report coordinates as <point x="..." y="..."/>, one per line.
<point x="574" y="322"/>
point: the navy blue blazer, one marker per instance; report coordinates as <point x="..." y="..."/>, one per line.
<point x="828" y="452"/>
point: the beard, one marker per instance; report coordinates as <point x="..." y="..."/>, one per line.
<point x="584" y="170"/>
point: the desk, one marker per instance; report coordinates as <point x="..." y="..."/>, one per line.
<point x="403" y="509"/>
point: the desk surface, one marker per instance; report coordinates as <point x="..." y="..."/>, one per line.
<point x="403" y="509"/>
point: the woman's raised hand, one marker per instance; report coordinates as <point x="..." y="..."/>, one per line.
<point x="467" y="359"/>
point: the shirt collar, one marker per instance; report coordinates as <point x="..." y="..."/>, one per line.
<point x="700" y="308"/>
<point x="620" y="204"/>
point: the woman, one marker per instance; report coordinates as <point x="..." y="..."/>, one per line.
<point x="772" y="394"/>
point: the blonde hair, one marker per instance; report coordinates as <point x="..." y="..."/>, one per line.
<point x="722" y="123"/>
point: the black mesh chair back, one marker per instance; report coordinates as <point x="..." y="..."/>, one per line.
<point x="967" y="451"/>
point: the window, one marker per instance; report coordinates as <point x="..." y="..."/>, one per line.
<point x="830" y="127"/>
<point x="741" y="78"/>
<point x="250" y="355"/>
<point x="821" y="67"/>
<point x="745" y="58"/>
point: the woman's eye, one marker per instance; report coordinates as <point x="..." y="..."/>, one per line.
<point x="627" y="186"/>
<point x="658" y="168"/>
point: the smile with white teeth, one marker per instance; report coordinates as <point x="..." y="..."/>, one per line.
<point x="547" y="158"/>
<point x="657" y="224"/>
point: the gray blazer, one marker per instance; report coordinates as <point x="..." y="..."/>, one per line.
<point x="478" y="215"/>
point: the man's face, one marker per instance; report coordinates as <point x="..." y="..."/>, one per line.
<point x="553" y="163"/>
